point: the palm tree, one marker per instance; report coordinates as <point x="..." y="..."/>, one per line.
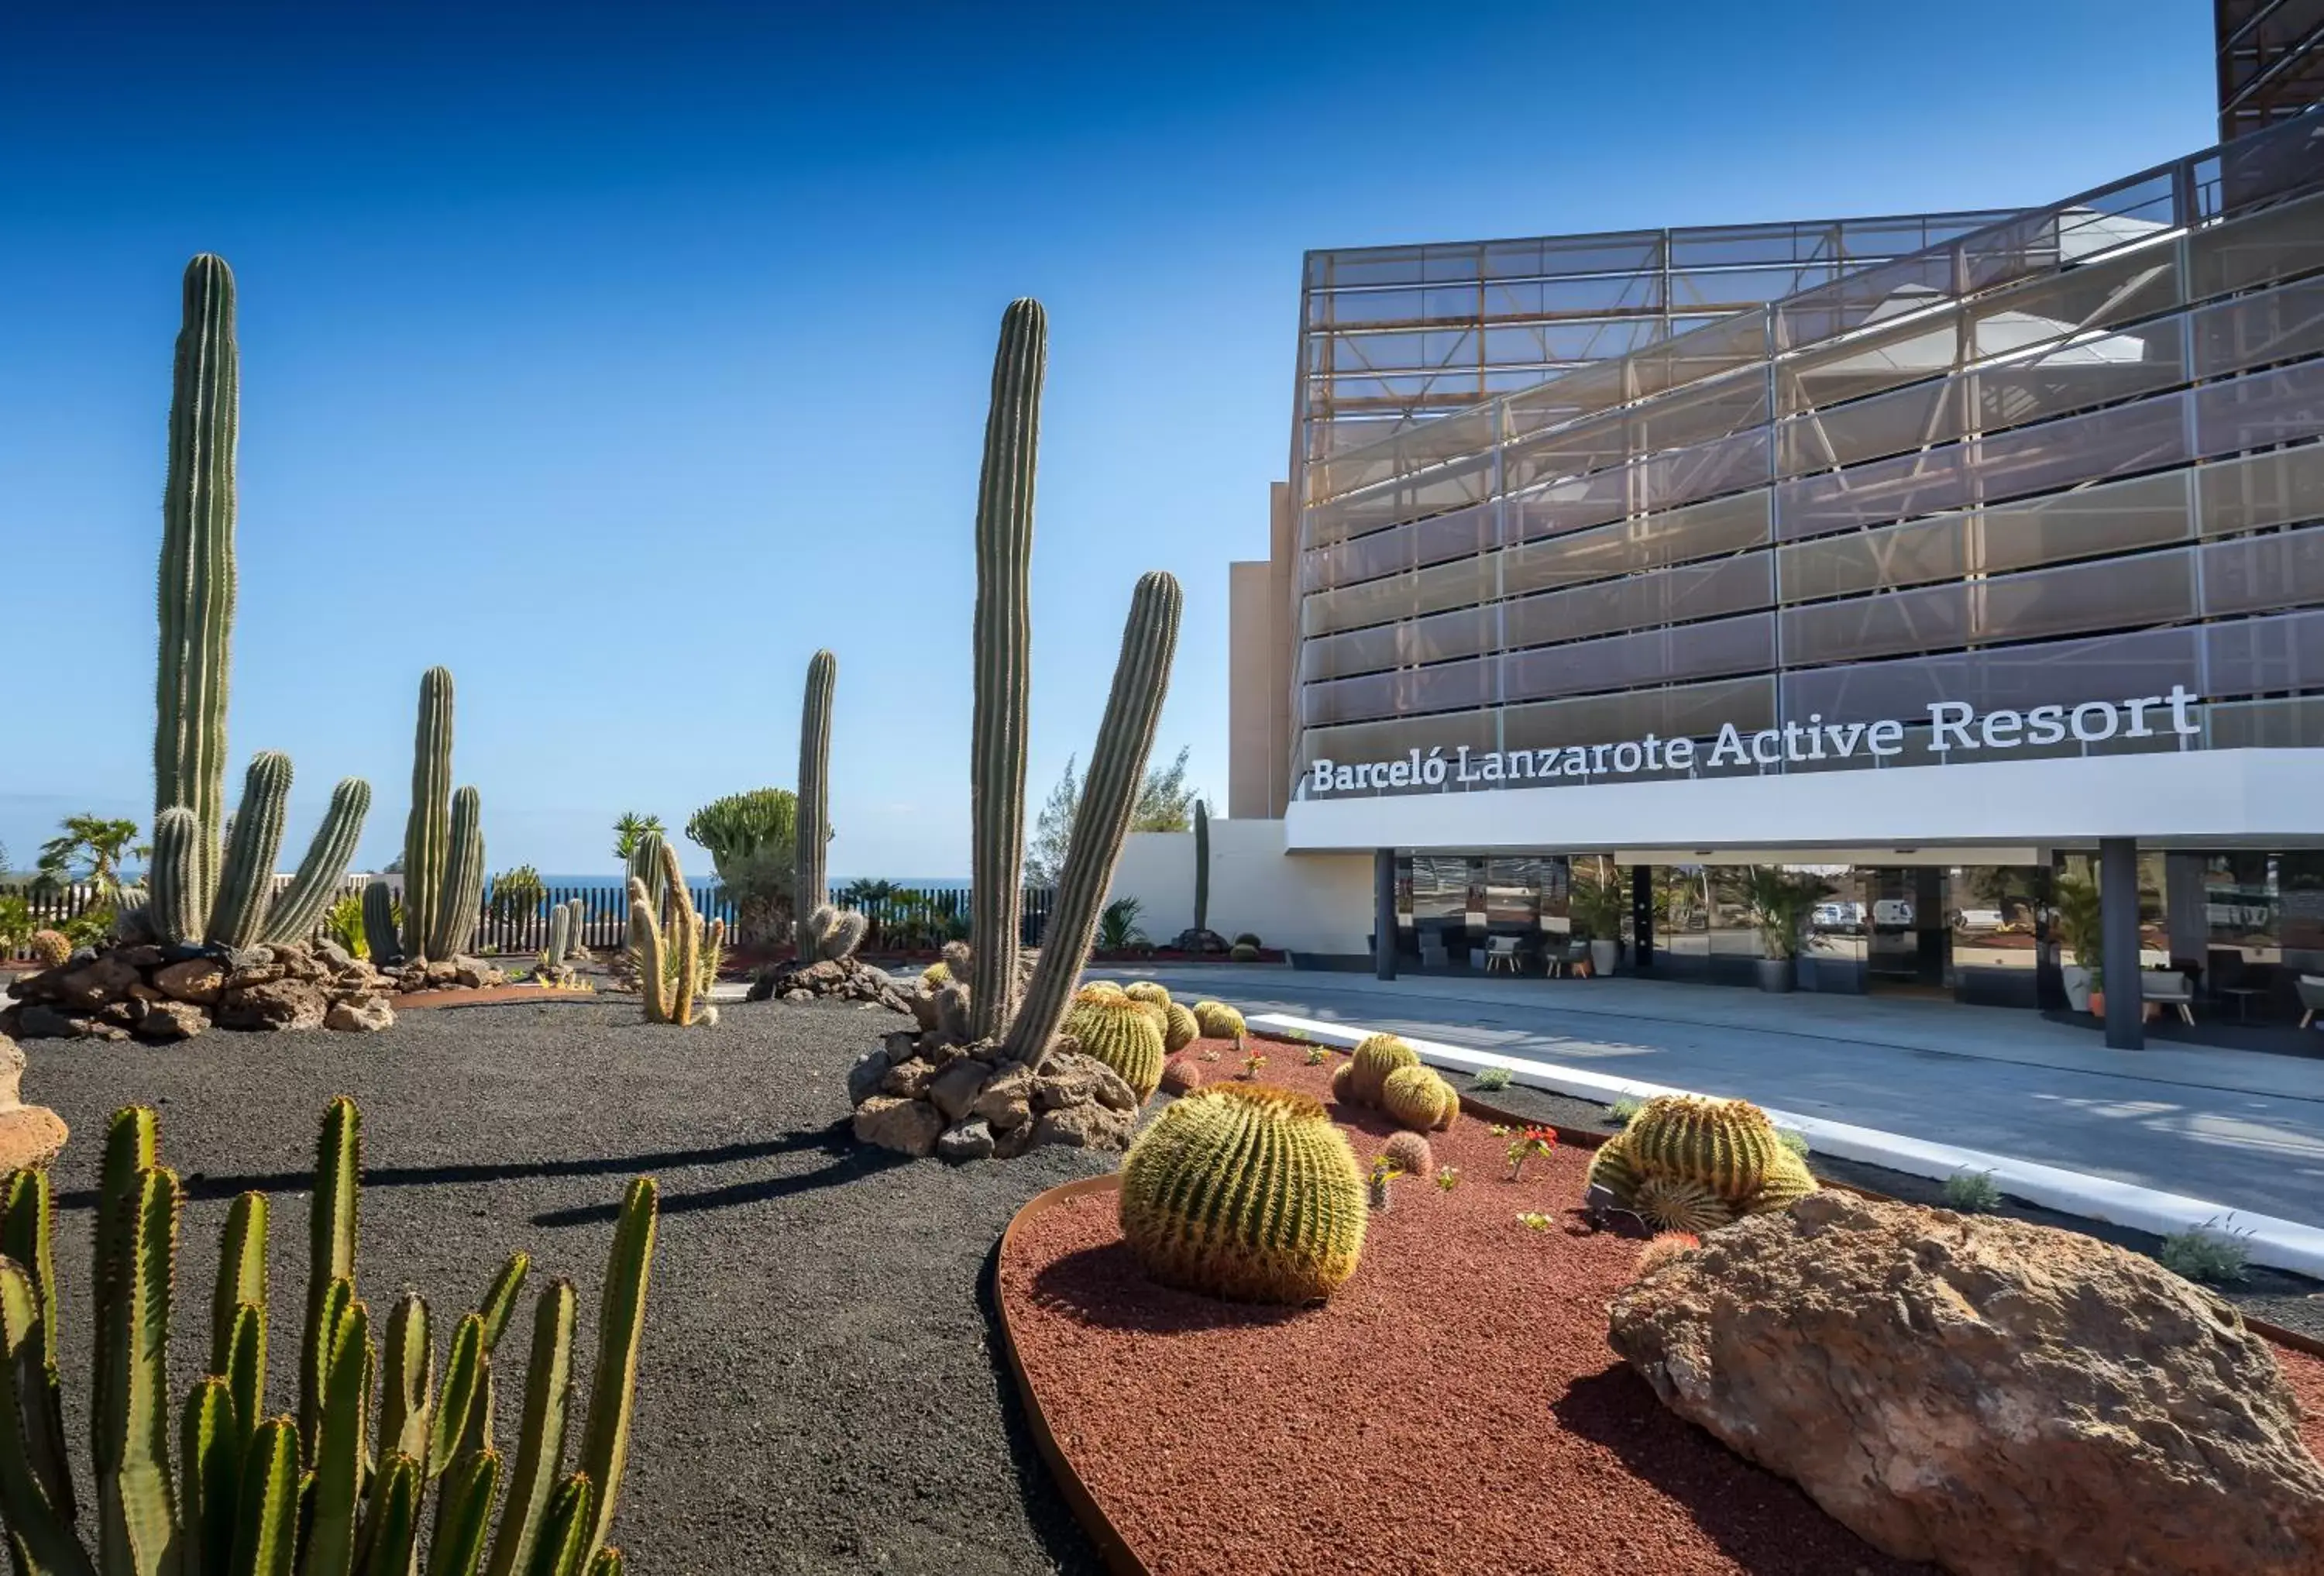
<point x="93" y="840"/>
<point x="632" y="829"/>
<point x="871" y="900"/>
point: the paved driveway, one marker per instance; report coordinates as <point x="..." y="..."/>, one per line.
<point x="2242" y="1128"/>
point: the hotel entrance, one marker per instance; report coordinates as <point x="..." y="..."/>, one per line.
<point x="1907" y="939"/>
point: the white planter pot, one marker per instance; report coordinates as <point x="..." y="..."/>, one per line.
<point x="2077" y="987"/>
<point x="1604" y="955"/>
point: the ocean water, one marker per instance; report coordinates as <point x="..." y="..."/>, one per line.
<point x="599" y="880"/>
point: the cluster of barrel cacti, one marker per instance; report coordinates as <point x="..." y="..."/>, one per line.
<point x="1217" y="1021"/>
<point x="443" y="837"/>
<point x="1385" y="1073"/>
<point x="1028" y="1022"/>
<point x="1685" y="1163"/>
<point x="202" y="886"/>
<point x="343" y="1484"/>
<point x="1248" y="1193"/>
<point x="677" y="954"/>
<point x="1120" y="1032"/>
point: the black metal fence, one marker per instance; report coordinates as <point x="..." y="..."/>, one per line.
<point x="902" y="919"/>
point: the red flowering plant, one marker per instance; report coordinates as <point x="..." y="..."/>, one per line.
<point x="1527" y="1145"/>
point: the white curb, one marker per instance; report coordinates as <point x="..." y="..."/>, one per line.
<point x="2277" y="1243"/>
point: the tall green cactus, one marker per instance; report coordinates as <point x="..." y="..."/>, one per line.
<point x="561" y="937"/>
<point x="173" y="878"/>
<point x="1202" y="867"/>
<point x="1003" y="663"/>
<point x="234" y="1501"/>
<point x="814" y="796"/>
<point x="646" y="865"/>
<point x="300" y="907"/>
<point x="428" y="830"/>
<point x="1141" y="678"/>
<point x="196" y="581"/>
<point x="379" y="920"/>
<point x="246" y="881"/>
<point x="668" y="946"/>
<point x="464" y="881"/>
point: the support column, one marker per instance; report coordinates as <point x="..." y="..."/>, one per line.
<point x="1384" y="913"/>
<point x="2126" y="1007"/>
<point x="1642" y="919"/>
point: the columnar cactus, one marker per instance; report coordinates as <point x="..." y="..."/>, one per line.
<point x="379" y="920"/>
<point x="1727" y="1147"/>
<point x="1245" y="1191"/>
<point x="560" y="935"/>
<point x="238" y="1500"/>
<point x="196" y="582"/>
<point x="668" y="945"/>
<point x="173" y="880"/>
<point x="428" y="830"/>
<point x="1101" y="820"/>
<point x="1119" y="1032"/>
<point x="462" y="898"/>
<point x="247" y="880"/>
<point x="814" y="796"/>
<point x="1202" y="867"/>
<point x="1374" y="1059"/>
<point x="300" y="907"/>
<point x="831" y="934"/>
<point x="195" y="605"/>
<point x="1003" y="641"/>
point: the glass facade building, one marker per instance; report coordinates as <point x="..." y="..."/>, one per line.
<point x="1924" y="578"/>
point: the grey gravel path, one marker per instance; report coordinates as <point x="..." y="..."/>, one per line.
<point x="819" y="1390"/>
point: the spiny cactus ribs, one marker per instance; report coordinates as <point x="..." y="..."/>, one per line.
<point x="241" y="1488"/>
<point x="1686" y="1163"/>
<point x="1247" y="1192"/>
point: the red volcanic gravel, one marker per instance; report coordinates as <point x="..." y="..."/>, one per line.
<point x="1456" y="1409"/>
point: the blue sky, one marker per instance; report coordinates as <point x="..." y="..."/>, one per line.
<point x="619" y="358"/>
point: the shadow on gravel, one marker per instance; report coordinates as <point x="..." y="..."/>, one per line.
<point x="853" y="1162"/>
<point x="1105" y="1286"/>
<point x="835" y="1139"/>
<point x="1052" y="1520"/>
<point x="1618" y="1409"/>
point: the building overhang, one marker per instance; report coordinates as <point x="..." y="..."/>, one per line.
<point x="2272" y="798"/>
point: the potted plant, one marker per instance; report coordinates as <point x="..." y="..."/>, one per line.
<point x="2074" y="927"/>
<point x="1596" y="901"/>
<point x="2094" y="989"/>
<point x="1781" y="901"/>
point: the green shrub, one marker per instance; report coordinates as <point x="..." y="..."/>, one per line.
<point x="1620" y="1112"/>
<point x="1489" y="1079"/>
<point x="1972" y="1192"/>
<point x="2205" y="1253"/>
<point x="1797" y="1143"/>
<point x="343" y="922"/>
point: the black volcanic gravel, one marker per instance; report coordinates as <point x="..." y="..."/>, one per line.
<point x="821" y="1388"/>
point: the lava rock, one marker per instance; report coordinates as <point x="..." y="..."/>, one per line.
<point x="172" y="1020"/>
<point x="360" y="1015"/>
<point x="273" y="1004"/>
<point x="1989" y="1395"/>
<point x="909" y="1127"/>
<point x="968" y="1141"/>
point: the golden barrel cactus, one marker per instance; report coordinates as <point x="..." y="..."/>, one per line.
<point x="1217" y="1021"/>
<point x="1727" y="1149"/>
<point x="1414" y="1097"/>
<point x="1147" y="991"/>
<point x="1374" y="1059"/>
<point x="1119" y="1032"/>
<point x="1248" y="1193"/>
<point x="1179" y="1028"/>
<point x="49" y="948"/>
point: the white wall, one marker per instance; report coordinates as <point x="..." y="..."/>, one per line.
<point x="1312" y="902"/>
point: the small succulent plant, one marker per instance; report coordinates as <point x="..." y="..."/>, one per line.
<point x="1315" y="1057"/>
<point x="1489" y="1079"/>
<point x="2212" y="1252"/>
<point x="1252" y="1063"/>
<point x="1797" y="1143"/>
<point x="1620" y="1112"/>
<point x="1972" y="1192"/>
<point x="1448" y="1177"/>
<point x="1535" y="1220"/>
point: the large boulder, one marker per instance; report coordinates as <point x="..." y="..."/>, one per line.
<point x="30" y="1135"/>
<point x="1994" y="1397"/>
<point x="196" y="980"/>
<point x="273" y="1004"/>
